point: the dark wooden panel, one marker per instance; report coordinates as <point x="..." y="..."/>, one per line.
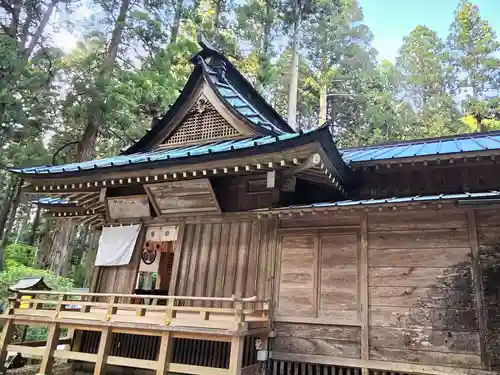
<point x="451" y="317"/>
<point x="297" y="275"/>
<point x="421" y="220"/>
<point x="316" y="346"/>
<point x="425" y="358"/>
<point x="432" y="296"/>
<point x="320" y="220"/>
<point x="489" y="218"/>
<point x="439" y="238"/>
<point x="427" y="339"/>
<point x="318" y="331"/>
<point x="405" y="276"/>
<point x="338" y="270"/>
<point x="417" y="257"/>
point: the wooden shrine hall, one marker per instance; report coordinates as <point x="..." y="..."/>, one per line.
<point x="232" y="244"/>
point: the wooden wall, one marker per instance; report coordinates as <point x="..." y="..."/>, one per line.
<point x="421" y="294"/>
<point x="488" y="224"/>
<point x="119" y="279"/>
<point x="431" y="178"/>
<point x="420" y="285"/>
<point x="219" y="259"/>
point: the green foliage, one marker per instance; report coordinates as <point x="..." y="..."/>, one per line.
<point x="474" y="52"/>
<point x="19" y="263"/>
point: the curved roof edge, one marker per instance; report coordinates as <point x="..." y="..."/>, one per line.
<point x="194" y="154"/>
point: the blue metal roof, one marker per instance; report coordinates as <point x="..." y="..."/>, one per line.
<point x="393" y="200"/>
<point x="52" y="201"/>
<point x="425" y="147"/>
<point x="240" y="104"/>
<point x="161" y="155"/>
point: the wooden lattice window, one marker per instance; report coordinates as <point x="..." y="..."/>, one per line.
<point x="201" y="124"/>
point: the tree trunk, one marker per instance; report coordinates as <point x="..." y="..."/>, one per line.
<point x="46" y="239"/>
<point x="294" y="71"/>
<point x="10" y="222"/>
<point x="7" y="202"/>
<point x="60" y="251"/>
<point x="89" y="138"/>
<point x="322" y="104"/>
<point x="266" y="42"/>
<point x="40" y="29"/>
<point x="174" y="31"/>
<point x="24" y="222"/>
<point x="34" y="226"/>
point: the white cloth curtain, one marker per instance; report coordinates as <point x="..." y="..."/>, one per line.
<point x="116" y="245"/>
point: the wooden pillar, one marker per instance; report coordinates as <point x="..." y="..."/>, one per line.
<point x="363" y="290"/>
<point x="165" y="355"/>
<point x="5" y="338"/>
<point x="478" y="288"/>
<point x="102" y="353"/>
<point x="48" y="355"/>
<point x="236" y="357"/>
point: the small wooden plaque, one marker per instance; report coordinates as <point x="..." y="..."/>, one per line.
<point x="129" y="207"/>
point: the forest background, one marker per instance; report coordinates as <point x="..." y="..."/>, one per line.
<point x="313" y="60"/>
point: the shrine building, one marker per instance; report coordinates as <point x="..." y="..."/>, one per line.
<point x="231" y="244"/>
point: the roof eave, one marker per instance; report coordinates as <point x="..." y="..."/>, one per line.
<point x="313" y="137"/>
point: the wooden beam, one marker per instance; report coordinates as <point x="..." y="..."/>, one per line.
<point x="236" y="356"/>
<point x="102" y="353"/>
<point x="48" y="355"/>
<point x="478" y="289"/>
<point x="165" y="355"/>
<point x="363" y="290"/>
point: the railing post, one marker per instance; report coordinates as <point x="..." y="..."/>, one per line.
<point x="48" y="355"/>
<point x="102" y="353"/>
<point x="236" y="357"/>
<point x="239" y="316"/>
<point x="165" y="355"/>
<point x="7" y="332"/>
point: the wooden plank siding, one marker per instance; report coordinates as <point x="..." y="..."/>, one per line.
<point x="422" y="301"/>
<point x="226" y="258"/>
<point x="421" y="293"/>
<point x="488" y="237"/>
<point x="318" y="277"/>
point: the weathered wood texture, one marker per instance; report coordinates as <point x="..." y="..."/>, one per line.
<point x="337" y="341"/>
<point x="421" y="292"/>
<point x="318" y="276"/>
<point x="488" y="237"/>
<point x="429" y="179"/>
<point x="244" y="193"/>
<point x="226" y="258"/>
<point x="119" y="279"/>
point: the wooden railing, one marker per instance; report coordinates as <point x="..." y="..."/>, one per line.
<point x="168" y="317"/>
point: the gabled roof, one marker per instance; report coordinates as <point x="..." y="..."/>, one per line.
<point x="230" y="87"/>
<point x="430" y="148"/>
